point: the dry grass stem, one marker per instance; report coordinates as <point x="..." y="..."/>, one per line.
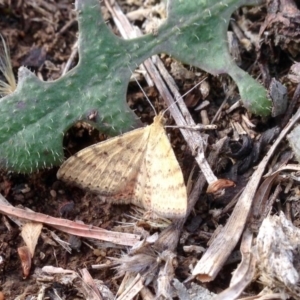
<point x="6" y="70"/>
<point x="216" y="255"/>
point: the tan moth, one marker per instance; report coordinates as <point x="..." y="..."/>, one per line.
<point x="138" y="167"/>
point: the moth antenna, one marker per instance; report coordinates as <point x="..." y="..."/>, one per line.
<point x="146" y="96"/>
<point x="144" y="93"/>
<point x="181" y="97"/>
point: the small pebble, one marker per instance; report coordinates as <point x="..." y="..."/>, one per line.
<point x="65" y="208"/>
<point x="42" y="255"/>
<point x="56" y="185"/>
<point x="99" y="252"/>
<point x="75" y="242"/>
<point x="19" y="197"/>
<point x="21" y="188"/>
<point x="61" y="192"/>
<point x="53" y="193"/>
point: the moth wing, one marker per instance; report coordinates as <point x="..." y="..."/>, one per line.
<point x="109" y="168"/>
<point x="165" y="190"/>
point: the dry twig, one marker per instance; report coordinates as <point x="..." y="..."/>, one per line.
<point x="218" y="252"/>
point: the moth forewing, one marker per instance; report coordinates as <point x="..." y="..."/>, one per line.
<point x="169" y="196"/>
<point x="107" y="168"/>
<point x="138" y="167"/>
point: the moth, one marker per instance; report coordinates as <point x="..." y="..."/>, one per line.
<point x="138" y="167"/>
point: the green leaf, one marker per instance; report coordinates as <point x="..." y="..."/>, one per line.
<point x="35" y="117"/>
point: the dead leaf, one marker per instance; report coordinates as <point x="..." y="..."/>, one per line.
<point x="25" y="257"/>
<point x="30" y="234"/>
<point x="218" y="185"/>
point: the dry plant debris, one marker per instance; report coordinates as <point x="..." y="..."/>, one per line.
<point x="277" y="254"/>
<point x="256" y="216"/>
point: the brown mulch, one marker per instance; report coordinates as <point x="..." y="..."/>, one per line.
<point x="41" y="36"/>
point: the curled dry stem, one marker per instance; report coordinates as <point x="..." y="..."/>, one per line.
<point x="8" y="87"/>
